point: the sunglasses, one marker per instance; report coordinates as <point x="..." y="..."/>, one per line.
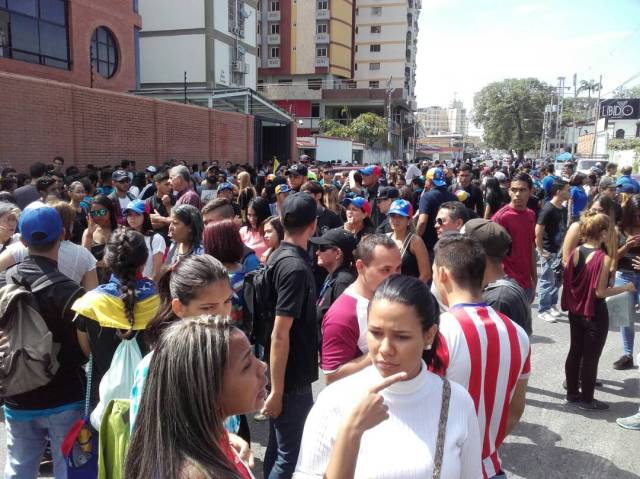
<point x="439" y="221"/>
<point x="325" y="247"/>
<point x="125" y="180"/>
<point x="98" y="213"/>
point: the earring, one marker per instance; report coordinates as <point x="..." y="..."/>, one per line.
<point x="427" y="347"/>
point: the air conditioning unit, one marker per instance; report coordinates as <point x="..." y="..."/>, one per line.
<point x="239" y="67"/>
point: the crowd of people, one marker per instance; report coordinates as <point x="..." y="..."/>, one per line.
<point x="204" y="297"/>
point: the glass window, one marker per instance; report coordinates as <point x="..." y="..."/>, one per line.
<point x="53" y="41"/>
<point x="24" y="34"/>
<point x="377" y="11"/>
<point x="374" y="66"/>
<point x="321" y="52"/>
<point x="104" y="52"/>
<point x="275" y="28"/>
<point x="28" y="7"/>
<point x="3" y="3"/>
<point x="374" y="84"/>
<point x="315" y="110"/>
<point x="52" y="11"/>
<point x="374" y="48"/>
<point x="376" y="29"/>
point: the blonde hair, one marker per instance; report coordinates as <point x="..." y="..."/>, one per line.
<point x="244" y="180"/>
<point x="593" y="224"/>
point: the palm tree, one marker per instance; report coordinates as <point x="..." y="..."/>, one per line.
<point x="589" y="86"/>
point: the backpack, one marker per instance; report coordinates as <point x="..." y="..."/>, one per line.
<point x="260" y="299"/>
<point x="30" y="359"/>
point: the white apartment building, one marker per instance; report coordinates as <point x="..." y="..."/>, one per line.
<point x="436" y="119"/>
<point x="385" y="44"/>
<point x="213" y="41"/>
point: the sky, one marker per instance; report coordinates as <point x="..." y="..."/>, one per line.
<point x="465" y="44"/>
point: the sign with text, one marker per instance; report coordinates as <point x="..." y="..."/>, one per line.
<point x="620" y="109"/>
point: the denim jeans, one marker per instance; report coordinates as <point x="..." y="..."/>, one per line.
<point x="285" y="434"/>
<point x="548" y="283"/>
<point x="628" y="333"/>
<point x="26" y="441"/>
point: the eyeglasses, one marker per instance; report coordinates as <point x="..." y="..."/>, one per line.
<point x="439" y="221"/>
<point x="125" y="180"/>
<point x="323" y="248"/>
<point x="98" y="213"/>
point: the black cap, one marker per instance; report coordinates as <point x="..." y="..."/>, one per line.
<point x="495" y="240"/>
<point x="388" y="193"/>
<point x="340" y="238"/>
<point x="298" y="169"/>
<point x="299" y="209"/>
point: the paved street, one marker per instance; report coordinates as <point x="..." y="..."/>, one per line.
<point x="554" y="440"/>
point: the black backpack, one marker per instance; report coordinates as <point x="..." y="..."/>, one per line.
<point x="260" y="299"/>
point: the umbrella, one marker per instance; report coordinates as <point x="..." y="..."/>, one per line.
<point x="566" y="156"/>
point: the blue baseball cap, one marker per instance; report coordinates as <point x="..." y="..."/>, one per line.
<point x="225" y="186"/>
<point x="371" y="170"/>
<point x="137" y="206"/>
<point x="283" y="188"/>
<point x="436" y="175"/>
<point x="401" y="208"/>
<point x="358" y="202"/>
<point x="40" y="225"/>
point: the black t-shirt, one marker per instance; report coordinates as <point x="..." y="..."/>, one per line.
<point x="334" y="286"/>
<point x="474" y="202"/>
<point x="508" y="297"/>
<point x="384" y="227"/>
<point x="430" y="202"/>
<point x="294" y="286"/>
<point x="554" y="221"/>
<point x="54" y="305"/>
<point x="103" y="342"/>
<point x="156" y="204"/>
<point x="327" y="220"/>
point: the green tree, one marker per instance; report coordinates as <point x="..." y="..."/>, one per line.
<point x="334" y="128"/>
<point x="511" y="112"/>
<point x="633" y="92"/>
<point x="369" y="128"/>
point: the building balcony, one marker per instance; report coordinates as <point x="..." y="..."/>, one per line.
<point x="322" y="61"/>
<point x="272" y="63"/>
<point x="322" y="38"/>
<point x="273" y="39"/>
<point x="273" y="16"/>
<point x="289" y="91"/>
<point x="323" y="14"/>
<point x="308" y="123"/>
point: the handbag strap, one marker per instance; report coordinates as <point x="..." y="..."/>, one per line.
<point x="87" y="396"/>
<point x="442" y="428"/>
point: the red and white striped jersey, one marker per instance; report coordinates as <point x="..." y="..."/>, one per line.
<point x="487" y="353"/>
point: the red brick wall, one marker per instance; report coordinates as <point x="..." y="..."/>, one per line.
<point x="40" y="119"/>
<point x="84" y="17"/>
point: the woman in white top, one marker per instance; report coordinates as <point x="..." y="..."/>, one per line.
<point x="9" y="215"/>
<point x="383" y="421"/>
<point x="138" y="219"/>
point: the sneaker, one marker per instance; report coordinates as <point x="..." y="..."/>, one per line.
<point x="572" y="398"/>
<point x="594" y="405"/>
<point x="555" y="312"/>
<point x="631" y="422"/>
<point x="548" y="317"/>
<point x="625" y="362"/>
<point x="259" y="417"/>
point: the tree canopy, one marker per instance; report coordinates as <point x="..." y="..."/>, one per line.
<point x="367" y="128"/>
<point x="633" y="92"/>
<point x="511" y="112"/>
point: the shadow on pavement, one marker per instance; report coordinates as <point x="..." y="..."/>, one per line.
<point x="534" y="339"/>
<point x="549" y="461"/>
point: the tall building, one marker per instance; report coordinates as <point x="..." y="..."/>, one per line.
<point x="434" y="120"/>
<point x="82" y="42"/>
<point x="212" y="42"/>
<point x="334" y="59"/>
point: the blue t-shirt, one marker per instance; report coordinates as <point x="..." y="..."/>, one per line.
<point x="578" y="201"/>
<point x="547" y="183"/>
<point x="430" y="202"/>
<point x="623" y="180"/>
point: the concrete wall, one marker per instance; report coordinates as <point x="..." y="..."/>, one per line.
<point x="166" y="58"/>
<point x="172" y="15"/>
<point x="41" y="119"/>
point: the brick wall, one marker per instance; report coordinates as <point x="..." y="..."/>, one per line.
<point x="40" y="119"/>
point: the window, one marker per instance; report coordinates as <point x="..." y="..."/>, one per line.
<point x="620" y="134"/>
<point x="259" y="52"/>
<point x="355" y="67"/>
<point x="104" y="52"/>
<point x="357" y="11"/>
<point x="356" y="48"/>
<point x="274" y="6"/>
<point x="286" y="81"/>
<point x="356" y="30"/>
<point x="322" y="28"/>
<point x="136" y="8"/>
<point x="274" y="52"/>
<point x="314" y="83"/>
<point x="323" y="5"/>
<point x="315" y="110"/>
<point x="321" y="52"/>
<point x="374" y="48"/>
<point x="376" y="11"/>
<point x="35" y="31"/>
<point x="374" y="66"/>
<point x="374" y="84"/>
<point x="376" y="29"/>
<point x="274" y="28"/>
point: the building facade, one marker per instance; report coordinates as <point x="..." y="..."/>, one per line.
<point x="435" y="120"/>
<point x="90" y="43"/>
<point x="203" y="43"/>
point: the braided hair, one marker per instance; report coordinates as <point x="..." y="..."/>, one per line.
<point x="126" y="252"/>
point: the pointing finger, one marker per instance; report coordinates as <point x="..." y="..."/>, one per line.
<point x="386" y="382"/>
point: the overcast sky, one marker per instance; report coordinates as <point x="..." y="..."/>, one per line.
<point x="465" y="44"/>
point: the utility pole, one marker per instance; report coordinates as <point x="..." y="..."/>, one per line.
<point x="573" y="113"/>
<point x="185" y="88"/>
<point x="560" y="108"/>
<point x="595" y="128"/>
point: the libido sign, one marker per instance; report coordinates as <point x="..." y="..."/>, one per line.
<point x="625" y="109"/>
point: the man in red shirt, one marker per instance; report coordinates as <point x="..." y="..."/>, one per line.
<point x="520" y="223"/>
<point x="479" y="347"/>
<point x="344" y="326"/>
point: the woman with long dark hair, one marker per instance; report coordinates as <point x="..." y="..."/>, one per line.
<point x="415" y="257"/>
<point x="387" y="400"/>
<point x="252" y="233"/>
<point x="77" y="194"/>
<point x="494" y="198"/>
<point x="119" y="310"/>
<point x="586" y="285"/>
<point x="202" y="372"/>
<point x="185" y="232"/>
<point x="138" y="219"/>
<point x="273" y="236"/>
<point x="102" y="221"/>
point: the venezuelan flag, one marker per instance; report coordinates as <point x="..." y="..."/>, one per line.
<point x="104" y="305"/>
